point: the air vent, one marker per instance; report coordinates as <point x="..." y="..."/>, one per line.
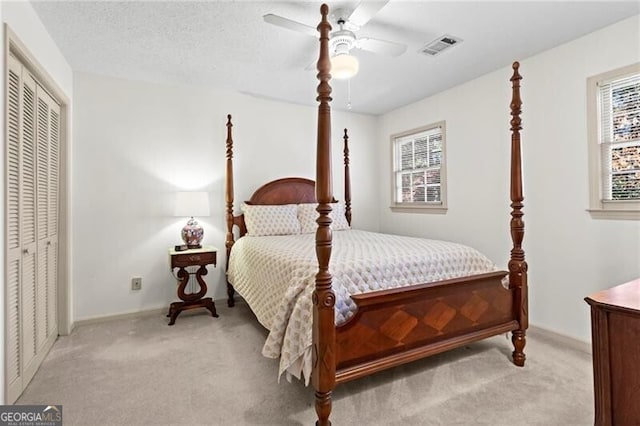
<point x="440" y="44"/>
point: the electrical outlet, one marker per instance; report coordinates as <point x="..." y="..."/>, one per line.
<point x="136" y="283"/>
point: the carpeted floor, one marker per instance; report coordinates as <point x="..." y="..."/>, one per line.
<point x="209" y="371"/>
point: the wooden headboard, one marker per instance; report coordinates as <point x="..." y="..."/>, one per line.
<point x="290" y="190"/>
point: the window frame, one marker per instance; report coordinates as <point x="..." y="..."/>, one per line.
<point x="421" y="207"/>
<point x="599" y="208"/>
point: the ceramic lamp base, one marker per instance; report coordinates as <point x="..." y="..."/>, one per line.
<point x="192" y="234"/>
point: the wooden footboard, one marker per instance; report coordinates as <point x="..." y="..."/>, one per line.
<point x="392" y="327"/>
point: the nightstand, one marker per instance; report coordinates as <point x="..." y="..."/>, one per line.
<point x="191" y="258"/>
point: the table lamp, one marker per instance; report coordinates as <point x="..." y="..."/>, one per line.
<point x="192" y="204"/>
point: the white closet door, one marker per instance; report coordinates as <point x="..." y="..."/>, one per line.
<point x="32" y="176"/>
<point x="54" y="205"/>
<point x="13" y="271"/>
<point x="48" y="129"/>
<point x="28" y="186"/>
<point x="42" y="207"/>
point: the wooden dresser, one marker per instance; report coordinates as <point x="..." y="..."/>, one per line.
<point x="615" y="330"/>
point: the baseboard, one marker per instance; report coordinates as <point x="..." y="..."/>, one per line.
<point x="111" y="317"/>
<point x="132" y="314"/>
<point x="552" y="336"/>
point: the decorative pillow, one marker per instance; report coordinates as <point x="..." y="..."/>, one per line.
<point x="307" y="215"/>
<point x="271" y="220"/>
<point x="338" y="217"/>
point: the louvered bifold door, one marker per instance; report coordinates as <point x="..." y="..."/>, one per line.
<point x="42" y="208"/>
<point x="28" y="187"/>
<point x="54" y="205"/>
<point x="13" y="227"/>
<point x="32" y="180"/>
<point x="48" y="130"/>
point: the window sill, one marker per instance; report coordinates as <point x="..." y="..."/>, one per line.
<point x="420" y="208"/>
<point x="612" y="214"/>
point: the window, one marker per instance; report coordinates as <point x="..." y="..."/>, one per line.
<point x="614" y="145"/>
<point x="419" y="169"/>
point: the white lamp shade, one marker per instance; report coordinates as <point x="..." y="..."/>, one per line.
<point x="344" y="66"/>
<point x="192" y="203"/>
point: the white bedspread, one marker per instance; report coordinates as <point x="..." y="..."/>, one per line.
<point x="276" y="276"/>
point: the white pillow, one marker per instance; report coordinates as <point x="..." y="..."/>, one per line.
<point x="307" y="215"/>
<point x="271" y="220"/>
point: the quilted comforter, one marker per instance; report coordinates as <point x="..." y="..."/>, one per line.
<point x="276" y="276"/>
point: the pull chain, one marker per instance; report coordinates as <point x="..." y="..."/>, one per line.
<point x="349" y="94"/>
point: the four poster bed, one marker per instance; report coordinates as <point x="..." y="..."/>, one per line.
<point x="392" y="325"/>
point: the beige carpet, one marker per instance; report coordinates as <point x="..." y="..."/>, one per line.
<point x="209" y="371"/>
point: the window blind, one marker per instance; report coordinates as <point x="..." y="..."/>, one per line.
<point x="620" y="138"/>
<point x="418" y="162"/>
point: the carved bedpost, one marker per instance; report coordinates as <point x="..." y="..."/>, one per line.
<point x="229" y="201"/>
<point x="324" y="331"/>
<point x="347" y="178"/>
<point x="517" y="264"/>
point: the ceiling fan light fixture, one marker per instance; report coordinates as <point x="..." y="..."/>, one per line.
<point x="344" y="66"/>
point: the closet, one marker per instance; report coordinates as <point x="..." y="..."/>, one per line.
<point x="32" y="211"/>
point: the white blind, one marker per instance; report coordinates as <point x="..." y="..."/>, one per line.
<point x="620" y="138"/>
<point x="418" y="162"/>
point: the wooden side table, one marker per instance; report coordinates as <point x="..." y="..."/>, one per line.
<point x="182" y="259"/>
<point x="615" y="330"/>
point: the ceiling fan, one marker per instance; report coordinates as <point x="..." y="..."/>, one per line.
<point x="344" y="39"/>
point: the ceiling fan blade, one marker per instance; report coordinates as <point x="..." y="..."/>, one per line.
<point x="289" y="24"/>
<point x="383" y="47"/>
<point x="365" y="11"/>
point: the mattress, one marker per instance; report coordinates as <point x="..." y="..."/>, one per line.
<point x="276" y="277"/>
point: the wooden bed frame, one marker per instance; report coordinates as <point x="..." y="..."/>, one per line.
<point x="392" y="327"/>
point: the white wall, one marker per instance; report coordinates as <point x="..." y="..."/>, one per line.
<point x="570" y="255"/>
<point x="138" y="143"/>
<point x="24" y="22"/>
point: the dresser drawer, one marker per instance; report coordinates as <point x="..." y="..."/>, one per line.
<point x="192" y="259"/>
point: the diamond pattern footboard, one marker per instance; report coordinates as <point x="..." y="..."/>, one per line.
<point x="396" y="326"/>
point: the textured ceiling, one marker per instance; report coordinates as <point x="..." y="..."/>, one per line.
<point x="227" y="44"/>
